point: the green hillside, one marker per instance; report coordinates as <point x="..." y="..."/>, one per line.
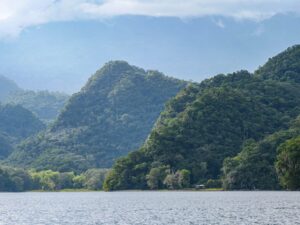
<point x="16" y="124"/>
<point x="208" y="122"/>
<point x="254" y="166"/>
<point x="46" y="105"/>
<point x="112" y="115"/>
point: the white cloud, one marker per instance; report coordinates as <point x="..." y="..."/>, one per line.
<point x="219" y="23"/>
<point x="15" y="15"/>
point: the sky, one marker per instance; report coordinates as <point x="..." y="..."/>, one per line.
<point x="59" y="44"/>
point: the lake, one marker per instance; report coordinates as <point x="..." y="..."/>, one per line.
<point x="139" y="208"/>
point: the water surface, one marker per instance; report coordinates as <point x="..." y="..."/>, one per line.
<point x="147" y="208"/>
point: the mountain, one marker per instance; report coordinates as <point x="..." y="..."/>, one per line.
<point x="46" y="105"/>
<point x="16" y="124"/>
<point x="254" y="167"/>
<point x="111" y="115"/>
<point x="208" y="122"/>
<point x="283" y="67"/>
<point x="7" y="87"/>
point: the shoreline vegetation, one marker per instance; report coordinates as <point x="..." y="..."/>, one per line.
<point x="159" y="190"/>
<point x="93" y="180"/>
<point x="19" y="180"/>
<point x="162" y="190"/>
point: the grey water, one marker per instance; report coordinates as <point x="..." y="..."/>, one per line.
<point x="147" y="208"/>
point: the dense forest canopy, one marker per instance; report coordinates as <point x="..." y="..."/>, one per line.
<point x="46" y="105"/>
<point x="288" y="163"/>
<point x="254" y="166"/>
<point x="16" y="124"/>
<point x="208" y="122"/>
<point x="112" y="115"/>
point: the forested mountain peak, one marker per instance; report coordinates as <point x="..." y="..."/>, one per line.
<point x="284" y="66"/>
<point x="112" y="87"/>
<point x="111" y="115"/>
<point x="111" y="72"/>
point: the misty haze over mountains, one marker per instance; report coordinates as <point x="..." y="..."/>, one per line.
<point x="62" y="56"/>
<point x="188" y="110"/>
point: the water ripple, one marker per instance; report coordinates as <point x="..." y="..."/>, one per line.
<point x="150" y="208"/>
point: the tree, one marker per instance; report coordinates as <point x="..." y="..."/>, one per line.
<point x="110" y="182"/>
<point x="78" y="181"/>
<point x="288" y="164"/>
<point x="65" y="180"/>
<point x="94" y="178"/>
<point x="156" y="177"/>
<point x="171" y="181"/>
<point x="184" y="178"/>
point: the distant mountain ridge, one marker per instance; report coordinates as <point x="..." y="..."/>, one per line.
<point x="111" y="115"/>
<point x="7" y="87"/>
<point x="46" y="105"/>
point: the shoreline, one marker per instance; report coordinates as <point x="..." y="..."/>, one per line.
<point x="138" y="190"/>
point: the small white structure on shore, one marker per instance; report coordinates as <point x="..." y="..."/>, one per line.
<point x="199" y="186"/>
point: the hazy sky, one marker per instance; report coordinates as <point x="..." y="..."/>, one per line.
<point x="58" y="44"/>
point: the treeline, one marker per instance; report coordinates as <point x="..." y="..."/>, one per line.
<point x="162" y="177"/>
<point x="16" y="180"/>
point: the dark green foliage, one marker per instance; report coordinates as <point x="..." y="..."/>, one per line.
<point x="7" y="87"/>
<point x="206" y="123"/>
<point x="156" y="177"/>
<point x="112" y="115"/>
<point x="211" y="183"/>
<point x="253" y="167"/>
<point x="284" y="67"/>
<point x="16" y="124"/>
<point x="12" y="179"/>
<point x="184" y="179"/>
<point x="288" y="164"/>
<point x="46" y="105"/>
